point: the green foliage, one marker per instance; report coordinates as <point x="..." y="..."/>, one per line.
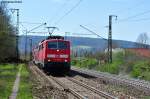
<point x="124" y="62"/>
<point x="111" y="68"/>
<point x="25" y="84"/>
<point x="89" y="63"/>
<point x="7" y="78"/>
<point x="7" y="36"/>
<point x="141" y="69"/>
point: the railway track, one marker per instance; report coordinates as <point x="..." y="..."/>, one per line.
<point x="101" y="93"/>
<point x="141" y="85"/>
<point x="76" y="88"/>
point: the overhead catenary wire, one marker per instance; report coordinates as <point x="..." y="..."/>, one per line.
<point x="68" y="12"/>
<point x="130" y="8"/>
<point x="25" y="22"/>
<point x="142" y="19"/>
<point x="92" y="32"/>
<point x="59" y="10"/>
<point x="139" y="20"/>
<point x="134" y="16"/>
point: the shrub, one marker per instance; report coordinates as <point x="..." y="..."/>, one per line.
<point x="111" y="68"/>
<point x="141" y="69"/>
<point x="85" y="63"/>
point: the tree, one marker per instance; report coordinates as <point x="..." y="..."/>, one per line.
<point x="7" y="36"/>
<point x="142" y="40"/>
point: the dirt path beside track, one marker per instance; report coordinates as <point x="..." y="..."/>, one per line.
<point x="16" y="85"/>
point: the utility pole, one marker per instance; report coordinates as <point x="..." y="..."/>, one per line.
<point x="17" y="36"/>
<point x="66" y="34"/>
<point x="30" y="49"/>
<point x="110" y="38"/>
<point x="26" y="46"/>
<point x="17" y="32"/>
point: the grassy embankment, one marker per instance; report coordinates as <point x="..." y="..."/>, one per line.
<point x="7" y="77"/>
<point x="124" y="63"/>
<point x="25" y="88"/>
<point x="8" y="74"/>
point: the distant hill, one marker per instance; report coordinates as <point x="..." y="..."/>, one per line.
<point x="79" y="43"/>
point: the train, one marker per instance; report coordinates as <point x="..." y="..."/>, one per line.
<point x="53" y="54"/>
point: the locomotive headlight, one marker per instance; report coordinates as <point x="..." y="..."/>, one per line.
<point x="51" y="55"/>
<point x="65" y="60"/>
<point x="63" y="56"/>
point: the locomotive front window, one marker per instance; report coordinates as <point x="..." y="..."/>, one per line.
<point x="62" y="45"/>
<point x="52" y="45"/>
<point x="57" y="45"/>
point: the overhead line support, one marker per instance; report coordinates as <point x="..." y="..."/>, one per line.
<point x="110" y="38"/>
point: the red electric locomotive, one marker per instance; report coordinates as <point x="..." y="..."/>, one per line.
<point x="53" y="54"/>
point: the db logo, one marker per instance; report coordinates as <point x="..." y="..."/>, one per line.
<point x="57" y="56"/>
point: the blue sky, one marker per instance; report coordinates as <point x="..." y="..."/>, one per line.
<point x="90" y="13"/>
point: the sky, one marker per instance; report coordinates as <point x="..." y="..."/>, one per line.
<point x="133" y="17"/>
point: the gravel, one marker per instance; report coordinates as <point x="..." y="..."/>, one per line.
<point x="43" y="90"/>
<point x="118" y="91"/>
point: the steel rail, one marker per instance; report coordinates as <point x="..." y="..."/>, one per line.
<point x="140" y="85"/>
<point x="101" y="93"/>
<point x="65" y="88"/>
<point x="68" y="89"/>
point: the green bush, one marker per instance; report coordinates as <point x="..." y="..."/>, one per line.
<point x="85" y="63"/>
<point x="111" y="68"/>
<point x="141" y="69"/>
<point x="7" y="77"/>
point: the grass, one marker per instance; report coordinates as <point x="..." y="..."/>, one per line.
<point x="8" y="74"/>
<point x="89" y="63"/>
<point x="25" y="84"/>
<point x="7" y="78"/>
<point x="124" y="63"/>
<point x="141" y="69"/>
<point x="111" y="68"/>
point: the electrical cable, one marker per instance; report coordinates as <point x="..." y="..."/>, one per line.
<point x="143" y="19"/>
<point x="130" y="8"/>
<point x="75" y="6"/>
<point x="134" y="16"/>
<point x="92" y="32"/>
<point x="59" y="10"/>
<point x="29" y="22"/>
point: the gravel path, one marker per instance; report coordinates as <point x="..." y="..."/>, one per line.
<point x="16" y="85"/>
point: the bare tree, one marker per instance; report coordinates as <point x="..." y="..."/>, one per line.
<point x="142" y="40"/>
